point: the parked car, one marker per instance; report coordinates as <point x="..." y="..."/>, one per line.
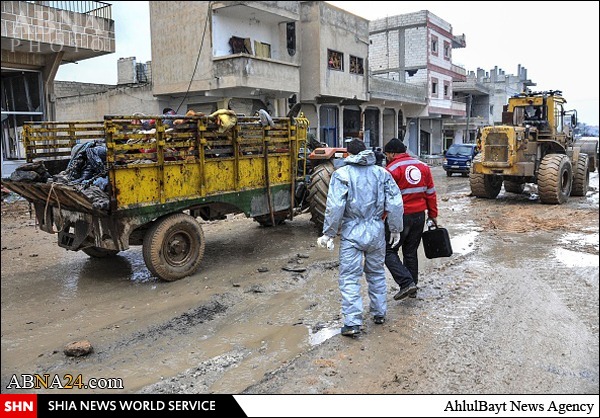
<point x="458" y="159"/>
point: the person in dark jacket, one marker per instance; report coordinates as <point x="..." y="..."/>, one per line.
<point x="415" y="181"/>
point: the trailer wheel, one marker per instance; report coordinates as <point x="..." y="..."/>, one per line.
<point x="280" y="217"/>
<point x="581" y="176"/>
<point x="485" y="185"/>
<point x="317" y="192"/>
<point x="174" y="247"/>
<point x="97" y="252"/>
<point x="513" y="187"/>
<point x="555" y="179"/>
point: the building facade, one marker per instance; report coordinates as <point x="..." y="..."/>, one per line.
<point x="416" y="49"/>
<point x="239" y="55"/>
<point x="271" y="55"/>
<point x="392" y="77"/>
<point x="131" y="95"/>
<point x="485" y="94"/>
<point x="37" y="37"/>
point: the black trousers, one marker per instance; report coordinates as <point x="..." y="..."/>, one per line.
<point x="410" y="239"/>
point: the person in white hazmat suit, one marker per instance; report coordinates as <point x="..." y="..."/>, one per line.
<point x="361" y="195"/>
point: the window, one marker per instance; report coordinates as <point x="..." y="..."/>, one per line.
<point x="434" y="45"/>
<point x="291" y="38"/>
<point x="356" y="65"/>
<point x="446" y="89"/>
<point x="434" y="87"/>
<point x="22" y="101"/>
<point x="447" y="50"/>
<point x="335" y="60"/>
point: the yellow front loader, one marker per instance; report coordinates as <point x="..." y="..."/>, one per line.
<point x="534" y="144"/>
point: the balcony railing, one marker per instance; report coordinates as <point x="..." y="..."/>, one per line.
<point x="383" y="88"/>
<point x="94" y="8"/>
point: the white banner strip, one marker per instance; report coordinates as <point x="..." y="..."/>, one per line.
<point x="419" y="405"/>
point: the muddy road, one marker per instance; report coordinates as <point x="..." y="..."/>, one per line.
<point x="514" y="310"/>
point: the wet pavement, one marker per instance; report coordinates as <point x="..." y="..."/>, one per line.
<point x="233" y="324"/>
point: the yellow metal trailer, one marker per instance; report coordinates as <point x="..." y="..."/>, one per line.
<point x="161" y="179"/>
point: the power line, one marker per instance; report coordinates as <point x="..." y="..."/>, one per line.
<point x="197" y="57"/>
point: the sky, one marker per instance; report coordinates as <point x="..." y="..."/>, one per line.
<point x="557" y="42"/>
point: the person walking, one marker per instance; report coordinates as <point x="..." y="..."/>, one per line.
<point x="419" y="197"/>
<point x="361" y="194"/>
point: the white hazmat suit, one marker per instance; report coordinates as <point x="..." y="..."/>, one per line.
<point x="359" y="195"/>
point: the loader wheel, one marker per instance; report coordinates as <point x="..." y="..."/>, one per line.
<point x="485" y="185"/>
<point x="97" y="252"/>
<point x="317" y="192"/>
<point x="513" y="187"/>
<point x="590" y="147"/>
<point x="173" y="247"/>
<point x="581" y="176"/>
<point x="555" y="178"/>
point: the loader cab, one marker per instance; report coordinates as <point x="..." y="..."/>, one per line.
<point x="542" y="110"/>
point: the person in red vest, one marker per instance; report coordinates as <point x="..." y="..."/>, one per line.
<point x="420" y="200"/>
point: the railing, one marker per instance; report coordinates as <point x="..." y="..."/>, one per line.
<point x="94" y="8"/>
<point x="383" y="88"/>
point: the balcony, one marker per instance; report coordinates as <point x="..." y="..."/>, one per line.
<point x="385" y="89"/>
<point x="269" y="76"/>
<point x="471" y="86"/>
<point x="80" y="29"/>
<point x="459" y="73"/>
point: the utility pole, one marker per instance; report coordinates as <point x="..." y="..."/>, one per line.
<point x="469" y="100"/>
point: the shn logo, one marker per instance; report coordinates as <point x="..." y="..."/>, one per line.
<point x="18" y="406"/>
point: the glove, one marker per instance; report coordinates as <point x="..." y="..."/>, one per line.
<point x="394" y="239"/>
<point x="325" y="241"/>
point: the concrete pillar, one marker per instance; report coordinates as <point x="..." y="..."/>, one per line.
<point x="379" y="139"/>
<point x="340" y="142"/>
<point x="48" y="74"/>
<point x="318" y="127"/>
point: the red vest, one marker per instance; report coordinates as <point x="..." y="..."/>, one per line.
<point x="416" y="184"/>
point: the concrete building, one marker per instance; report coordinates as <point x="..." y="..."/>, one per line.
<point x="37" y="36"/>
<point x="132" y="94"/>
<point x="485" y="94"/>
<point x="271" y="54"/>
<point x="416" y="48"/>
<point x="241" y="55"/>
<point x="334" y="73"/>
<point x="387" y="78"/>
<point x="338" y="91"/>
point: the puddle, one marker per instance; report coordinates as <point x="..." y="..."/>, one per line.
<point x="316" y="338"/>
<point x="576" y="258"/>
<point x="463" y="244"/>
<point x="581" y="239"/>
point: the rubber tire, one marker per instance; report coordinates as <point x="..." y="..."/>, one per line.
<point x="513" y="187"/>
<point x="555" y="179"/>
<point x="179" y="230"/>
<point x="97" y="252"/>
<point x="591" y="149"/>
<point x="448" y="173"/>
<point x="485" y="185"/>
<point x="317" y="192"/>
<point x="581" y="176"/>
<point x="265" y="220"/>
